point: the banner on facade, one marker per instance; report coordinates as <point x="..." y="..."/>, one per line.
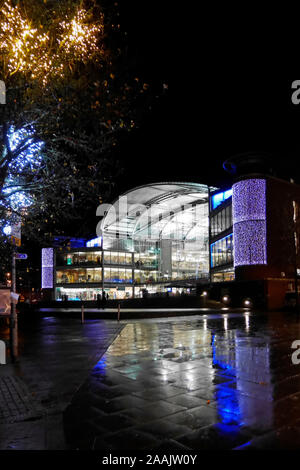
<point x="16" y="234"/>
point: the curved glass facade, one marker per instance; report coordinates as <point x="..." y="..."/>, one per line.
<point x="168" y="227"/>
<point x="161" y="235"/>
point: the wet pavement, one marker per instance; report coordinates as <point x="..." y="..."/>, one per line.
<point x="206" y="382"/>
<point x="16" y="403"/>
<point x="202" y="383"/>
<point x="56" y="356"/>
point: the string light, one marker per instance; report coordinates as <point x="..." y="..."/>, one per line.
<point x="44" y="55"/>
<point x="249" y="222"/>
<point x="28" y="161"/>
<point x="47" y="268"/>
<point x="78" y="37"/>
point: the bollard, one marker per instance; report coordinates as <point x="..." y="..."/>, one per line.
<point x="119" y="311"/>
<point x="82" y="313"/>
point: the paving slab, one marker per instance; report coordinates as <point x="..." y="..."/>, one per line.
<point x="56" y="356"/>
<point x="222" y="382"/>
<point x="197" y="383"/>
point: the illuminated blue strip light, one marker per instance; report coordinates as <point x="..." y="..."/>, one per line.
<point x="228" y="404"/>
<point x="249" y="222"/>
<point x="219" y="198"/>
<point x="94" y="242"/>
<point x="47" y="268"/>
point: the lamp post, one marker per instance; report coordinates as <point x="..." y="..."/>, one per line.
<point x="13" y="314"/>
<point x="14" y="232"/>
<point x="296" y="255"/>
<point x="102" y="259"/>
<point x="296" y="280"/>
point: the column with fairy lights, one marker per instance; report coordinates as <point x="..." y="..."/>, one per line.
<point x="249" y="222"/>
<point x="249" y="211"/>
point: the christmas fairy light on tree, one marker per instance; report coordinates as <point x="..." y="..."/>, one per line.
<point x="27" y="162"/>
<point x="79" y="38"/>
<point x="65" y="88"/>
<point x="21" y="45"/>
<point x="26" y="48"/>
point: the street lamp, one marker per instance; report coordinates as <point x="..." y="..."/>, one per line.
<point x="226" y="299"/>
<point x="247" y="303"/>
<point x="204" y="295"/>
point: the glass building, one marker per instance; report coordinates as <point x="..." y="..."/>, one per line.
<point x="170" y="237"/>
<point x="221" y="237"/>
<point x="153" y="239"/>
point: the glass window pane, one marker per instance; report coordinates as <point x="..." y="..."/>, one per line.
<point x="107" y="276"/>
<point x="114" y="274"/>
<point x="114" y="258"/>
<point x="122" y="258"/>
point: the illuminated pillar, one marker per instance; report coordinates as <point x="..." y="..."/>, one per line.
<point x="249" y="222"/>
<point x="47" y="268"/>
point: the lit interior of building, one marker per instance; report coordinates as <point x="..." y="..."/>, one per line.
<point x="150" y="241"/>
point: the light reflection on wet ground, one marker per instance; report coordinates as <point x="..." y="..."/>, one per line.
<point x="208" y="382"/>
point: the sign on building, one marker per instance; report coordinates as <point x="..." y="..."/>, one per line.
<point x="21" y="256"/>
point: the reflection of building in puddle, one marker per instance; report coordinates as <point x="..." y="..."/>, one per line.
<point x="173" y="340"/>
<point x="192" y="346"/>
<point x="170" y="350"/>
<point x="249" y="396"/>
<point x="194" y="341"/>
<point x="187" y="355"/>
<point x="134" y="338"/>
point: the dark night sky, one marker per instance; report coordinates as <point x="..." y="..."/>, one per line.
<point x="219" y="102"/>
<point x="222" y="99"/>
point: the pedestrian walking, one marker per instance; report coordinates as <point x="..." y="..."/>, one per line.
<point x="104" y="300"/>
<point x="99" y="300"/>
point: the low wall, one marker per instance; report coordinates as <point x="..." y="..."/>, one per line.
<point x="237" y="291"/>
<point x="268" y="294"/>
<point x="150" y="302"/>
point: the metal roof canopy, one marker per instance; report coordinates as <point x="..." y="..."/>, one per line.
<point x="154" y="206"/>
